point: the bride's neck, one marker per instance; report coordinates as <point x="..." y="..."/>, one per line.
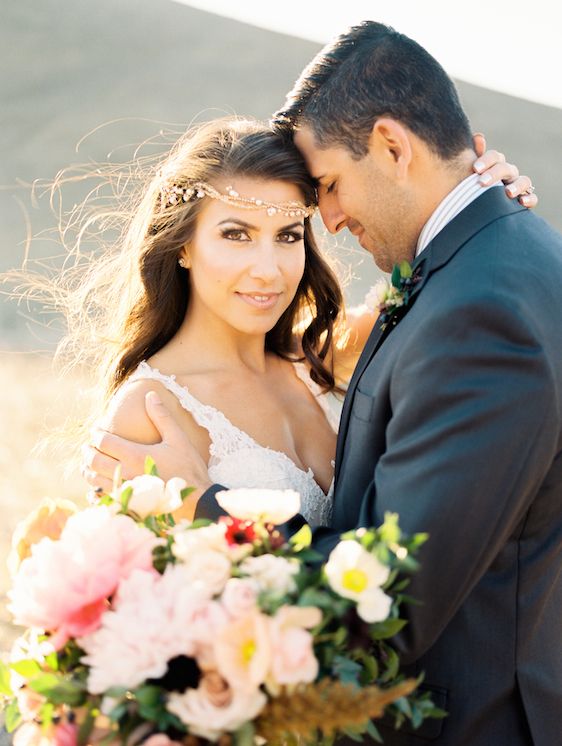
<point x="220" y="349"/>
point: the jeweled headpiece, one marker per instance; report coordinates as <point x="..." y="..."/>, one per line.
<point x="175" y="195"/>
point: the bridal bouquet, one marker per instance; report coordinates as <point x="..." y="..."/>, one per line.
<point x="141" y="630"/>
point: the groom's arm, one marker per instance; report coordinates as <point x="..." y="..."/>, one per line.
<point x="473" y="433"/>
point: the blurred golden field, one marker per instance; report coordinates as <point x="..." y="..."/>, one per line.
<point x="34" y="401"/>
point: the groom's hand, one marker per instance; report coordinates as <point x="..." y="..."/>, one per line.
<point x="174" y="456"/>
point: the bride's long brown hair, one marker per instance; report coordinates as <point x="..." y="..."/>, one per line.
<point x="124" y="305"/>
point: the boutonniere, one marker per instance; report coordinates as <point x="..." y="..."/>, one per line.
<point x="391" y="299"/>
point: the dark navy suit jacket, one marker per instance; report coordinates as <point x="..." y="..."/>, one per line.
<point x="454" y="420"/>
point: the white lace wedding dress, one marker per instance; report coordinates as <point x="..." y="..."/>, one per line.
<point x="236" y="460"/>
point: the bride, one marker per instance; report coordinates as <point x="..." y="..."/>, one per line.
<point x="229" y="313"/>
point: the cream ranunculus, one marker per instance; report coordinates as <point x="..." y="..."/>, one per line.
<point x="268" y="506"/>
<point x="271" y="573"/>
<point x="207" y="570"/>
<point x="191" y="541"/>
<point x="215" y="707"/>
<point x="152" y="496"/>
<point x="356" y="574"/>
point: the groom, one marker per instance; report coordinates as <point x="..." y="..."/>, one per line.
<point x="453" y="415"/>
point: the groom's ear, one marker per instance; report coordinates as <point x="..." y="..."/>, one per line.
<point x="391" y="145"/>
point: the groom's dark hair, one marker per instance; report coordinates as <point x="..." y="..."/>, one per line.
<point x="368" y="72"/>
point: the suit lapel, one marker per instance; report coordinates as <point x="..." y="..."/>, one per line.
<point x="490" y="206"/>
<point x="376" y="338"/>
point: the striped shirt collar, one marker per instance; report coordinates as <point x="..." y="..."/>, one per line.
<point x="461" y="196"/>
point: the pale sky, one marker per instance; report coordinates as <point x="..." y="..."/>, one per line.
<point x="514" y="46"/>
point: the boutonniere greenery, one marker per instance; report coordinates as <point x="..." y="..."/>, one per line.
<point x="390" y="300"/>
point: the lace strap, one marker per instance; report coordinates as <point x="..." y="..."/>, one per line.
<point x="225" y="437"/>
<point x="302" y="371"/>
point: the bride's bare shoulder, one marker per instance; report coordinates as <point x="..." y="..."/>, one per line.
<point x="126" y="413"/>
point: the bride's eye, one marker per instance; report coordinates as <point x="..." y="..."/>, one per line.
<point x="235" y="234"/>
<point x="290" y="237"/>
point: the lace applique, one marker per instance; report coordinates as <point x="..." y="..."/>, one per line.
<point x="237" y="460"/>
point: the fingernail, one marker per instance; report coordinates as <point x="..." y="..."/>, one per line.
<point x="479" y="165"/>
<point x="526" y="200"/>
<point x="512" y="191"/>
<point x="485" y="179"/>
<point x="154" y="396"/>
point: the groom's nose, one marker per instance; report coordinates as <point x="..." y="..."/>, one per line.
<point x="331" y="213"/>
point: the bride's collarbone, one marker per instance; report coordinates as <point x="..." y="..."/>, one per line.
<point x="276" y="411"/>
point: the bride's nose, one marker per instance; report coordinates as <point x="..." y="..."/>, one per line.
<point x="265" y="264"/>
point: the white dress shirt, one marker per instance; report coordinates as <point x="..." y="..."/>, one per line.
<point x="461" y="196"/>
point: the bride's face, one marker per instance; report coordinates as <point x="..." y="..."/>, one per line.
<point x="245" y="265"/>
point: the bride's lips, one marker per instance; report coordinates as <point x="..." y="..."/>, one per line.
<point x="264" y="301"/>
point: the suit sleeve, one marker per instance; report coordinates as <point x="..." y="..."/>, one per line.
<point x="472" y="435"/>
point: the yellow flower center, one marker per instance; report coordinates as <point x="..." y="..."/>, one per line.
<point x="354" y="580"/>
<point x="248" y="650"/>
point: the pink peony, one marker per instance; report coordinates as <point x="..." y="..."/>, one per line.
<point x="155" y="618"/>
<point x="293" y="659"/>
<point x="64" y="586"/>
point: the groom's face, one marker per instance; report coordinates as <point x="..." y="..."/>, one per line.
<point x="362" y="196"/>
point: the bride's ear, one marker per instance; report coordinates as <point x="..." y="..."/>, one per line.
<point x="184" y="259"/>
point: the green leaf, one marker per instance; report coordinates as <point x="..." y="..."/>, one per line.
<point x="28" y="668"/>
<point x="5" y="686"/>
<point x="316" y="597"/>
<point x="148" y="695"/>
<point x="403" y="706"/>
<point x="392" y="664"/>
<point x="86" y="727"/>
<point x="150" y="466"/>
<point x="405" y="269"/>
<point x="115" y="692"/>
<point x="390" y="530"/>
<point x="46" y="713"/>
<point x="245" y="735"/>
<point x="199" y="523"/>
<point x="52" y="661"/>
<point x="395" y="277"/>
<point x="302" y="539"/>
<point x="12" y="716"/>
<point x="118" y="711"/>
<point x="124" y="498"/>
<point x="186" y="492"/>
<point x="346" y="670"/>
<point x="373" y="731"/>
<point x="59" y="690"/>
<point x="388" y="628"/>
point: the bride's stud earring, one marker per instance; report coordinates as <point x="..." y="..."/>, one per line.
<point x="181" y="262"/>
